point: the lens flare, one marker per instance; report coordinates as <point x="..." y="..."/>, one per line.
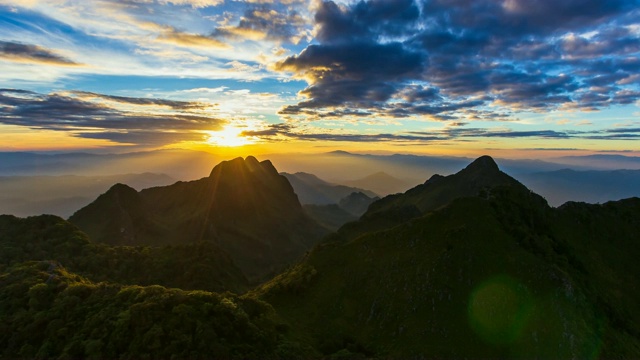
<point x="499" y="309"/>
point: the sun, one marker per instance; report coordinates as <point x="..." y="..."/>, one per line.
<point x="229" y="136"/>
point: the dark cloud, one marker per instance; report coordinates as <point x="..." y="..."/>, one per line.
<point x="142" y="138"/>
<point x="455" y="132"/>
<point x="177" y="105"/>
<point x="364" y="20"/>
<point x="99" y="120"/>
<point x="289" y="132"/>
<point x="358" y="75"/>
<point x="279" y="23"/>
<point x="32" y="53"/>
<point x="533" y="55"/>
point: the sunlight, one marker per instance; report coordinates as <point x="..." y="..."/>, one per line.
<point x="230" y="136"/>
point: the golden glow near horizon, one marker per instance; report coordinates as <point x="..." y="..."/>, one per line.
<point x="94" y="75"/>
<point x="229" y="136"/>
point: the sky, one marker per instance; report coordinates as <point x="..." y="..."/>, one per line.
<point x="519" y="78"/>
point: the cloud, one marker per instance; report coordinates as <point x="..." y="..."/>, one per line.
<point x="98" y="116"/>
<point x="456" y="132"/>
<point x="18" y="52"/>
<point x="194" y="3"/>
<point x="173" y="104"/>
<point x="518" y="55"/>
<point x="268" y="20"/>
<point x="174" y="36"/>
<point x="287" y="132"/>
<point x="358" y="75"/>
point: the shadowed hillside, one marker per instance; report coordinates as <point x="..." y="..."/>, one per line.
<point x="202" y="266"/>
<point x="471" y="265"/>
<point x="244" y="206"/>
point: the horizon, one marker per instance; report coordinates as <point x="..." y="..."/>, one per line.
<point x="238" y="78"/>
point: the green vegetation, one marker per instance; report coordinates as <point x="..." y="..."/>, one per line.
<point x="201" y="266"/>
<point x="46" y="312"/>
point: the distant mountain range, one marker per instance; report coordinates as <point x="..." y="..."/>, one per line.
<point x="592" y="186"/>
<point x="381" y="183"/>
<point x="600" y="162"/>
<point x="313" y="190"/>
<point x="329" y="204"/>
<point x="179" y="164"/>
<point x="63" y="195"/>
<point x="469" y="265"/>
<point x="349" y="208"/>
<point x="244" y="206"/>
<point x="400" y="172"/>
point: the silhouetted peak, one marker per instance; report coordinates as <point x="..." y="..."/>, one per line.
<point x="434" y="179"/>
<point x="239" y="165"/>
<point x="268" y="167"/>
<point x="356" y="195"/>
<point x="252" y="163"/>
<point x="339" y="152"/>
<point x="484" y="163"/>
<point x="120" y="188"/>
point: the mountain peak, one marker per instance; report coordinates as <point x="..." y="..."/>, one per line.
<point x="238" y="165"/>
<point x="483" y="163"/>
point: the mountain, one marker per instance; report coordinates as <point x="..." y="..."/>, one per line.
<point x="436" y="192"/>
<point x="357" y="203"/>
<point x="62" y="195"/>
<point x="472" y="265"/>
<point x="313" y="190"/>
<point x="244" y="206"/>
<point x="331" y="216"/>
<point x="349" y="208"/>
<point x="592" y="186"/>
<point x="380" y="183"/>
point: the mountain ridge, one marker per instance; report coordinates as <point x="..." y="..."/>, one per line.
<point x="486" y="270"/>
<point x="244" y="206"/>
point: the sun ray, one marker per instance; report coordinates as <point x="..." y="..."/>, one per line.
<point x="230" y="136"/>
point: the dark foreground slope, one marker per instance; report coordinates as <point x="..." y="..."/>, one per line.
<point x="471" y="265"/>
<point x="48" y="312"/>
<point x="244" y="206"/>
<point x="202" y="266"/>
